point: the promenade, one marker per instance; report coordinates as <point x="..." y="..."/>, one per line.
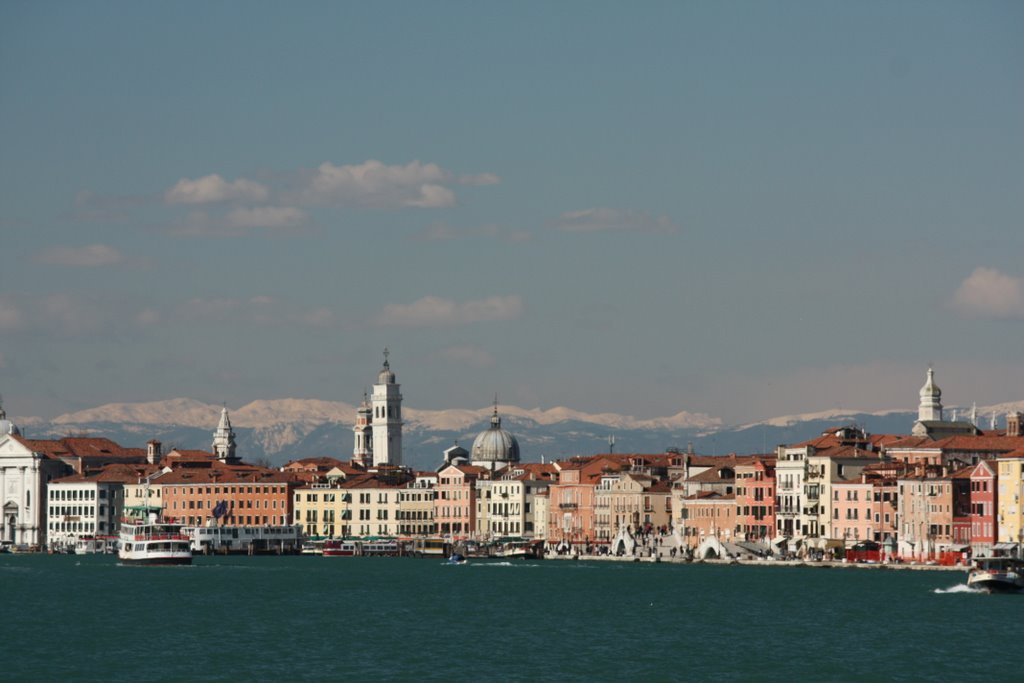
<point x="822" y="564"/>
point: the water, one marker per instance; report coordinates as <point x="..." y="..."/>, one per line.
<point x="241" y="618"/>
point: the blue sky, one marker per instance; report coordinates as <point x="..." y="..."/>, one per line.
<point x="743" y="209"/>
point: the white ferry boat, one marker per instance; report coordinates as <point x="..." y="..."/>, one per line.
<point x="145" y="539"/>
<point x="997" y="574"/>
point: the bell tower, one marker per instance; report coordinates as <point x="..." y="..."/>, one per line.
<point x="386" y="417"/>
<point x="224" y="439"/>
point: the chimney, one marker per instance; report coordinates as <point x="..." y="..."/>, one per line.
<point x="1013" y="421"/>
<point x="153" y="452"/>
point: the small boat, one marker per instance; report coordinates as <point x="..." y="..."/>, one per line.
<point x="146" y="539"/>
<point x="336" y="548"/>
<point x="315" y="547"/>
<point x="455" y="558"/>
<point x="997" y="574"/>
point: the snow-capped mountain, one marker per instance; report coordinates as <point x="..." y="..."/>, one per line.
<point x="279" y="430"/>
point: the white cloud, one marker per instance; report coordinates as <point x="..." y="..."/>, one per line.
<point x="213" y="188"/>
<point x="374" y="184"/>
<point x="988" y="293"/>
<point x="11" y="317"/>
<point x="600" y="219"/>
<point x="468" y="355"/>
<point x="91" y="256"/>
<point x="432" y="310"/>
<point x="265" y="217"/>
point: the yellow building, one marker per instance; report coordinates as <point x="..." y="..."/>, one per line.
<point x="323" y="510"/>
<point x="1010" y="473"/>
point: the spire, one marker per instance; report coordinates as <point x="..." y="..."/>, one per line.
<point x="930" y="408"/>
<point x="495" y="420"/>
<point x="224" y="438"/>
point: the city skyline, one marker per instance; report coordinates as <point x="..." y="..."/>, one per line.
<point x="745" y="211"/>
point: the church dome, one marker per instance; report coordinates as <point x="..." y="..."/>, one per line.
<point x="495" y="444"/>
<point x="6" y="426"/>
<point x="385" y="376"/>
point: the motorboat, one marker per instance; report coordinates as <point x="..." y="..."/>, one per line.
<point x="997" y="574"/>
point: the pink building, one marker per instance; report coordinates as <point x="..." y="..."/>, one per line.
<point x="983" y="506"/>
<point x="755" y="498"/>
<point x="455" y="504"/>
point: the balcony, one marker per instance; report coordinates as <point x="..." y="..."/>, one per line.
<point x="567" y="506"/>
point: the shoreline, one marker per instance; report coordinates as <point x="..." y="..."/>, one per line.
<point x="823" y="564"/>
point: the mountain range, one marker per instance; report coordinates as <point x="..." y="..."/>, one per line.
<point x="276" y="431"/>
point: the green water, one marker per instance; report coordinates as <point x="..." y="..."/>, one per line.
<point x="227" y="619"/>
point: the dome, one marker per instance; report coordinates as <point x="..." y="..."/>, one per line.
<point x="385" y="376"/>
<point x="6" y="426"/>
<point x="495" y="444"/>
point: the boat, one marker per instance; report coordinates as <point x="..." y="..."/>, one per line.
<point x="997" y="574"/>
<point x="147" y="539"/>
<point x="455" y="558"/>
<point x="312" y="547"/>
<point x="336" y="548"/>
<point x="94" y="545"/>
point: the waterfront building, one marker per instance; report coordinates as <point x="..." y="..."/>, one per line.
<point x="983" y="507"/>
<point x="226" y="495"/>
<point x="541" y="514"/>
<point x="506" y="503"/>
<point x="28" y="465"/>
<point x="825" y="468"/>
<point x="89" y="505"/>
<point x="376" y="501"/>
<point x="707" y="515"/>
<point x="605" y="525"/>
<point x="455" y="504"/>
<point x="790" y="467"/>
<point x="579" y="503"/>
<point x="640" y="502"/>
<point x="864" y="509"/>
<point x="925" y="510"/>
<point x="961" y="490"/>
<point x="755" y="499"/>
<point x="571" y="502"/>
<point x="1010" y="500"/>
<point x="323" y="509"/>
<point x="416" y="506"/>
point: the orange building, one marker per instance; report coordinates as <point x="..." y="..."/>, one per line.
<point x="708" y="514"/>
<point x="252" y="496"/>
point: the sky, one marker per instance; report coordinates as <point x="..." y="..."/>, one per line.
<point x="744" y="209"/>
